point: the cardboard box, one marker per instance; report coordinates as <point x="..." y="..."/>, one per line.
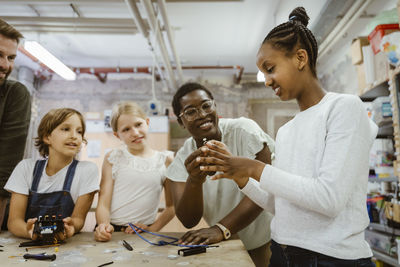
<point x="362" y="84"/>
<point x="381" y="67"/>
<point x="392" y="211"/>
<point x="356" y="51"/>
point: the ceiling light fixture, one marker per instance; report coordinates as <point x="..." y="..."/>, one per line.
<point x="260" y="77"/>
<point x="49" y="60"/>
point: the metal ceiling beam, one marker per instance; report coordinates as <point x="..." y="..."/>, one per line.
<point x="65" y="21"/>
<point x="163" y="11"/>
<point x="154" y="25"/>
<point x="96" y="2"/>
<point x="73" y="25"/>
<point x="134" y="10"/>
<point x="77" y="29"/>
<point x="34" y="10"/>
<point x="76" y="10"/>
<point x="345" y="23"/>
<point x="144" y="30"/>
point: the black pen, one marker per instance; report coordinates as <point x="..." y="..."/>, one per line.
<point x="126" y="245"/>
<point x="105" y="264"/>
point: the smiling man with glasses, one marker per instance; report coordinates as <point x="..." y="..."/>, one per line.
<point x="220" y="202"/>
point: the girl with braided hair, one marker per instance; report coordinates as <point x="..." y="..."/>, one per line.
<point x="318" y="181"/>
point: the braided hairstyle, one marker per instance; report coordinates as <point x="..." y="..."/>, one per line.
<point x="293" y="35"/>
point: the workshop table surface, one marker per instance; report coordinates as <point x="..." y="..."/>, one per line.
<point x="82" y="250"/>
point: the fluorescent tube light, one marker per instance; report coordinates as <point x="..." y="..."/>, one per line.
<point x="49" y="60"/>
<point x="260" y="77"/>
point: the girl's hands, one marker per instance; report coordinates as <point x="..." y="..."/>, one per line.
<point x="218" y="158"/>
<point x="103" y="232"/>
<point x="30" y="224"/>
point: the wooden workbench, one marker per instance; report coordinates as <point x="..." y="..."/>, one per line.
<point x="82" y="250"/>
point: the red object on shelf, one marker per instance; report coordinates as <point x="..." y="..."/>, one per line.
<point x="375" y="37"/>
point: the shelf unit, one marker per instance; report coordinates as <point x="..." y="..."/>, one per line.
<point x="385" y="258"/>
<point x="380" y="255"/>
<point x="384" y="228"/>
<point x="389" y="130"/>
<point x="394" y="88"/>
<point x="380" y="180"/>
<point x="381" y="89"/>
<point x="386" y="131"/>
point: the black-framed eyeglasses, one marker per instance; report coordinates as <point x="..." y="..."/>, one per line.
<point x="190" y="114"/>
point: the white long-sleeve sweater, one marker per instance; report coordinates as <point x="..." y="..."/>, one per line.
<point x="319" y="179"/>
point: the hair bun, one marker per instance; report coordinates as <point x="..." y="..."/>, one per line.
<point x="299" y="14"/>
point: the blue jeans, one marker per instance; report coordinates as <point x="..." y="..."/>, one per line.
<point x="297" y="257"/>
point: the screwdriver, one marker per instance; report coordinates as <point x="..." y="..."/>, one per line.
<point x="41" y="256"/>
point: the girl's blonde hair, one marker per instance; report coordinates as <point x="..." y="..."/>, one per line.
<point x="50" y="121"/>
<point x="125" y="107"/>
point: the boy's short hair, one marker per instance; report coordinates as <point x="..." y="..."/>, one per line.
<point x="125" y="107"/>
<point x="9" y="31"/>
<point x="50" y="121"/>
<point x="184" y="90"/>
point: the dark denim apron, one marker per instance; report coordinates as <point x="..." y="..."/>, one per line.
<point x="58" y="203"/>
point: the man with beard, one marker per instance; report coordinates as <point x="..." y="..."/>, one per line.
<point x="15" y="111"/>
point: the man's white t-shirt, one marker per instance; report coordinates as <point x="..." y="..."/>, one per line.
<point x="245" y="138"/>
<point x="86" y="179"/>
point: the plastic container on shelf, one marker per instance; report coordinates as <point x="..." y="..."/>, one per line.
<point x="381" y="157"/>
<point x="390" y="45"/>
<point x="382" y="110"/>
<point x="375" y="37"/>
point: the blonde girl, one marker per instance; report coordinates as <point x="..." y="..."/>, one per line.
<point x="132" y="178"/>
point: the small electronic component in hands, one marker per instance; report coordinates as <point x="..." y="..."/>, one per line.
<point x="48" y="228"/>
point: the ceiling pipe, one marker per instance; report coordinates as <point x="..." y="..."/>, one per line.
<point x="69" y="21"/>
<point x="163" y="11"/>
<point x="356" y="5"/>
<point x="101" y="73"/>
<point x="96" y="2"/>
<point x="134" y="10"/>
<point x="161" y="44"/>
<point x="105" y="70"/>
<point x="345" y="23"/>
<point x="78" y="29"/>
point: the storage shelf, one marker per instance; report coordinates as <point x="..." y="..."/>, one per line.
<point x="385" y="131"/>
<point x="381" y="89"/>
<point x="379" y="180"/>
<point x="385" y="258"/>
<point x="384" y="228"/>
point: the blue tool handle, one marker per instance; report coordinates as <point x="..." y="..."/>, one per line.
<point x="41" y="256"/>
